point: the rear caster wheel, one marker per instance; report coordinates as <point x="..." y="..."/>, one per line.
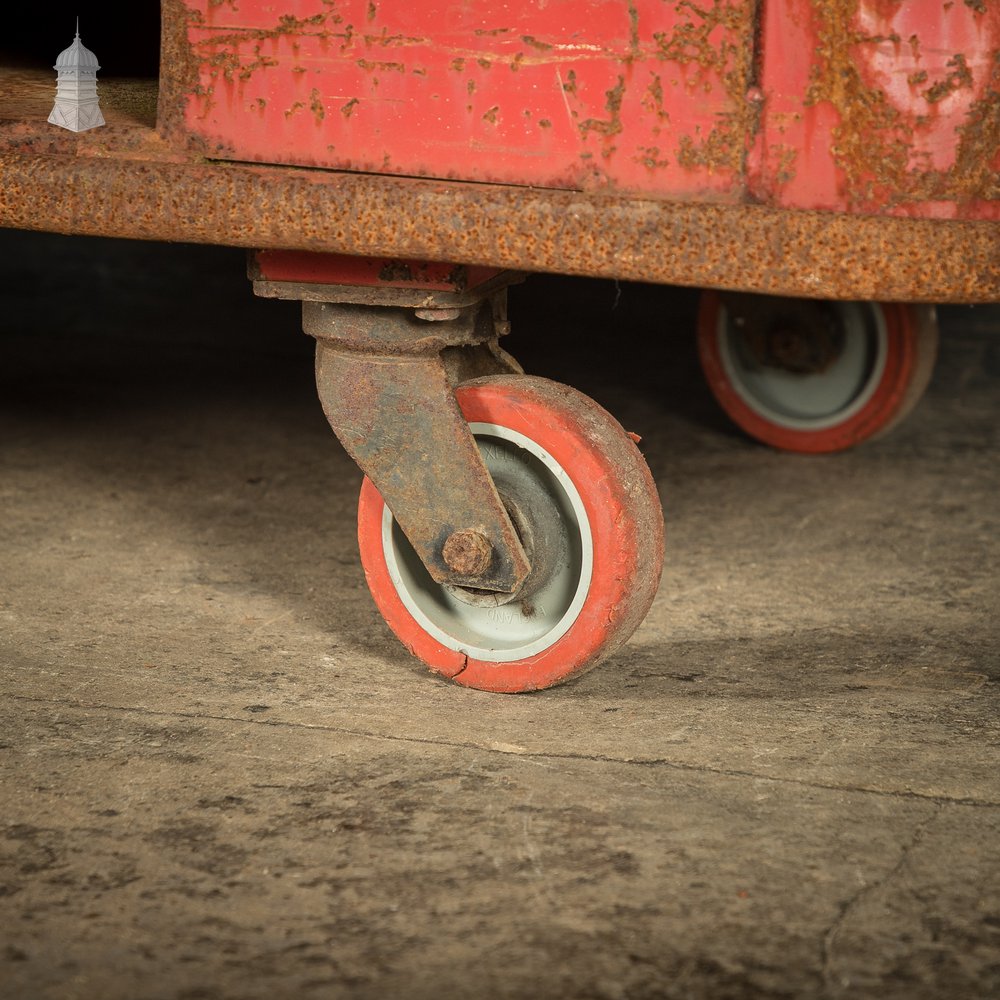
<point x="813" y="376"/>
<point x="586" y="509"/>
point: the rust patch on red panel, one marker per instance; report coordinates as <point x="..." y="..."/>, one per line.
<point x="373" y="66"/>
<point x="611" y="125"/>
<point x="714" y="43"/>
<point x="886" y="143"/>
<point x="316" y="105"/>
<point x="534" y="43"/>
<point x="961" y="76"/>
<point x="223" y="58"/>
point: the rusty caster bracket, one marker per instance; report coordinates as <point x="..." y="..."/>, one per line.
<point x="385" y="376"/>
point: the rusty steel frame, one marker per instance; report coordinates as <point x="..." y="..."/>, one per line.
<point x="742" y="247"/>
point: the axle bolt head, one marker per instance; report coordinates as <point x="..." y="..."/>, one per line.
<point x="468" y="553"/>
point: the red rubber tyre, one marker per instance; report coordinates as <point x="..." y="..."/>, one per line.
<point x="586" y="508"/>
<point x="816" y="377"/>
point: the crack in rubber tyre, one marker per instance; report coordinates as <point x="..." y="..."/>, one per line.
<point x="585" y="500"/>
<point x="888" y="356"/>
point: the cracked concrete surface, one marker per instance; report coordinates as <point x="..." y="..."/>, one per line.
<point x="221" y="776"/>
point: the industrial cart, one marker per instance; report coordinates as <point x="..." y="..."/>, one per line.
<point x="825" y="169"/>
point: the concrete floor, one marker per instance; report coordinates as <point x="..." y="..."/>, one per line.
<point x="223" y="777"/>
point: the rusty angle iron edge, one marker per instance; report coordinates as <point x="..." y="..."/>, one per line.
<point x="743" y="247"/>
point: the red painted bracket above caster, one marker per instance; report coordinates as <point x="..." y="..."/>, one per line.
<point x="323" y="277"/>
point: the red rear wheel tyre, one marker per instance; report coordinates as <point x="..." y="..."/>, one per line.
<point x="816" y="376"/>
<point x="583" y="500"/>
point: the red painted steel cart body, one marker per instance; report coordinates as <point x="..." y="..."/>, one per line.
<point x="867" y="106"/>
<point x="806" y="147"/>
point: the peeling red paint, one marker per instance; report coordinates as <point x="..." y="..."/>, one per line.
<point x="889" y="106"/>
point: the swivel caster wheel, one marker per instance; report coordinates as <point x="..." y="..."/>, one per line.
<point x="586" y="509"/>
<point x="815" y="376"/>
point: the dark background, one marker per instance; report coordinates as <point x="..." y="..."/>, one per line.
<point x="125" y="38"/>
